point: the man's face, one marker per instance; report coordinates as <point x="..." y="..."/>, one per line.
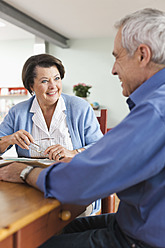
<point x="126" y="67"/>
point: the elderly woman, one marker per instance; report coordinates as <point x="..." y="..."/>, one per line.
<point x="60" y="124"/>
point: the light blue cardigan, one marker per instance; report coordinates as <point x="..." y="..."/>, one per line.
<point x="81" y="120"/>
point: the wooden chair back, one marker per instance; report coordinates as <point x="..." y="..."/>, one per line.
<point x="108" y="203"/>
<point x="102" y="119"/>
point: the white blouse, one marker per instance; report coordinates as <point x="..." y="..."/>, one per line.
<point x="58" y="132"/>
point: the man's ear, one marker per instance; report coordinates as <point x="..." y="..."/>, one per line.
<point x="144" y="54"/>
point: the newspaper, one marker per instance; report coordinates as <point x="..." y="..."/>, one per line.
<point x="41" y="162"/>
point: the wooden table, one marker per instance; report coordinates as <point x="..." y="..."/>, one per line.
<point x="27" y="219"/>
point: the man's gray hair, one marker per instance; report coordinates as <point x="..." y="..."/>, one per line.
<point x="145" y="26"/>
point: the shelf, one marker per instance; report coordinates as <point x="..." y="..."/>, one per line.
<point x="13" y="91"/>
<point x="12" y="95"/>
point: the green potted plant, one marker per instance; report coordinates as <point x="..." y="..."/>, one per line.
<point x="81" y="90"/>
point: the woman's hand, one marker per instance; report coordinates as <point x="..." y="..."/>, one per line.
<point x="58" y="152"/>
<point x="22" y="138"/>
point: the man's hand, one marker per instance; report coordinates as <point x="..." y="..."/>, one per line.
<point x="11" y="172"/>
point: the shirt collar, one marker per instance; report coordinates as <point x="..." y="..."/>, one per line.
<point x="148" y="87"/>
<point x="60" y="105"/>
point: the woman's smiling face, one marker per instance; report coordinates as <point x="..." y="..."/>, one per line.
<point x="47" y="85"/>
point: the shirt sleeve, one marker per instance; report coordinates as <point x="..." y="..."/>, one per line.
<point x="130" y="153"/>
<point x="6" y="127"/>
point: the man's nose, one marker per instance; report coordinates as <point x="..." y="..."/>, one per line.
<point x="114" y="72"/>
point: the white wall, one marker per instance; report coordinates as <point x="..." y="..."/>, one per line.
<point x="90" y="61"/>
<point x="13" y="56"/>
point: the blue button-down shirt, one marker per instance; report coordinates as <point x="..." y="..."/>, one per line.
<point x="129" y="160"/>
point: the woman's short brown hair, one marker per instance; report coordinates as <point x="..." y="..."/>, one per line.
<point x="41" y="60"/>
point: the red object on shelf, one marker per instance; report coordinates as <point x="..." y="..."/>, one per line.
<point x="9" y="91"/>
<point x="18" y="91"/>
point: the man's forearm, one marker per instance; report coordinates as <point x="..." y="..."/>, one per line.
<point x="33" y="176"/>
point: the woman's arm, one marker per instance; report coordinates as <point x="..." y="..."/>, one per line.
<point x="12" y="129"/>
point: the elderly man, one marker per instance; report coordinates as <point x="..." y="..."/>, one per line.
<point x="129" y="160"/>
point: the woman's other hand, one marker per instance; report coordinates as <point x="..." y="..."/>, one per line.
<point x="58" y="152"/>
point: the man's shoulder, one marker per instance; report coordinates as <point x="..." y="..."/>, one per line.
<point x="158" y="95"/>
<point x="157" y="99"/>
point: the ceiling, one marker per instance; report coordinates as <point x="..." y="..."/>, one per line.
<point x="76" y="19"/>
